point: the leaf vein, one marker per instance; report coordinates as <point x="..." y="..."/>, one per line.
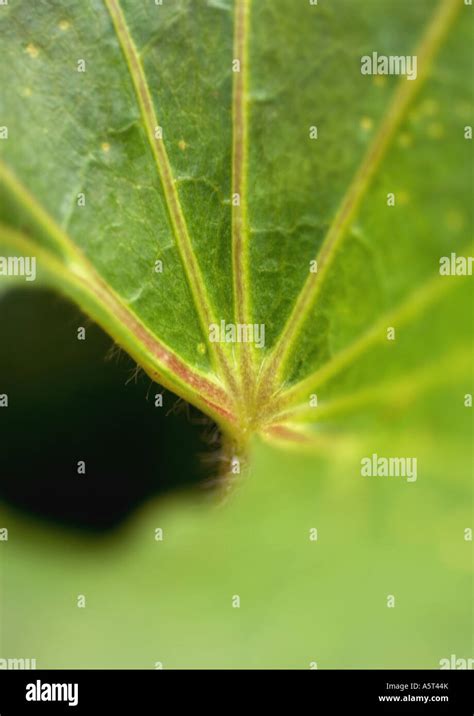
<point x="178" y="222"/>
<point x="403" y="96"/>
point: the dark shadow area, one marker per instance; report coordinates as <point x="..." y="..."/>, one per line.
<point x="73" y="400"/>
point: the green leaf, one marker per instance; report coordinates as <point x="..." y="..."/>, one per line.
<point x="186" y="157"/>
<point x="181" y="137"/>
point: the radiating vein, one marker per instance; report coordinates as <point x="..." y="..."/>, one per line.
<point x="74" y="270"/>
<point x="240" y="234"/>
<point x="394" y="393"/>
<point x="414" y="305"/>
<point x="404" y="95"/>
<point x="58" y="237"/>
<point x="175" y="211"/>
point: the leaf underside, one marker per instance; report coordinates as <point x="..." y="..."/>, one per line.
<point x="92" y="134"/>
<point x="160" y="165"/>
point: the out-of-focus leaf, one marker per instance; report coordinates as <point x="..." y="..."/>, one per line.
<point x="301" y="600"/>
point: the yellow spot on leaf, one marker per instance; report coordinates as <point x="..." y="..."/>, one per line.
<point x="182" y="145"/>
<point x="201" y="348"/>
<point x="366" y="124"/>
<point x="32" y="50"/>
<point x="64" y="25"/>
<point x="105" y="146"/>
<point x="405" y="140"/>
<point x="26" y="91"/>
<point x="435" y="130"/>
